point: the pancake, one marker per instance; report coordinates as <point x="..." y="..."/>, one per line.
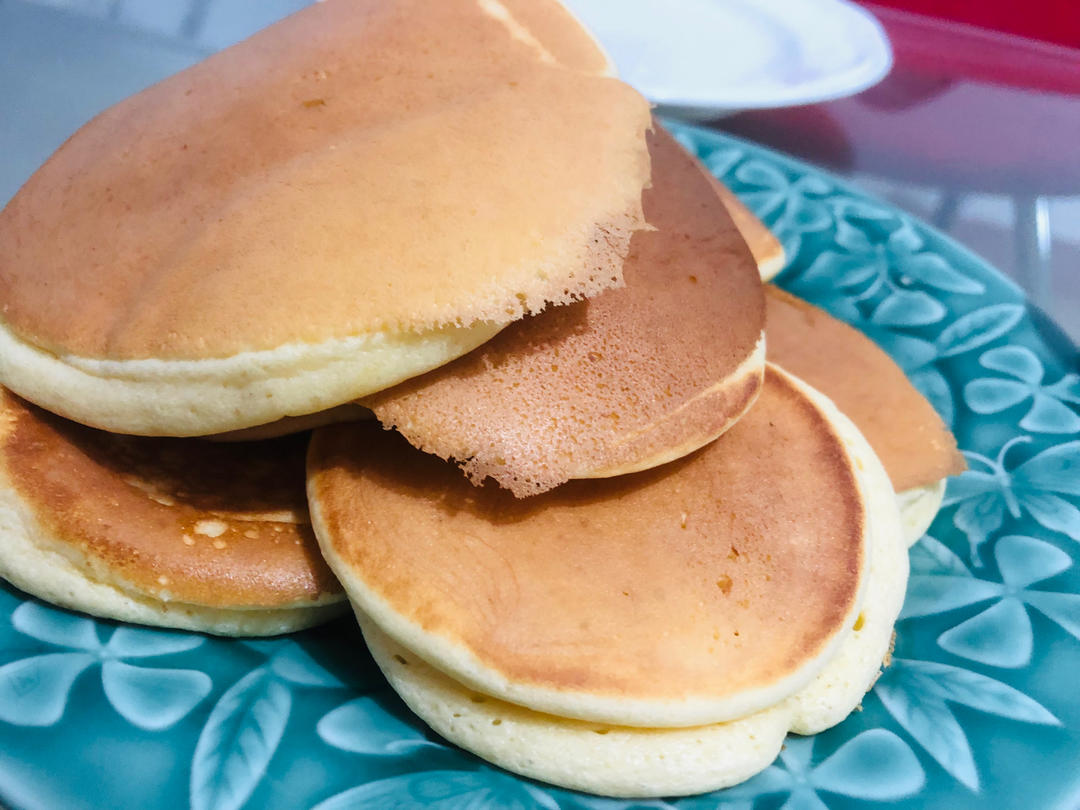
<point x="915" y="446"/>
<point x="918" y="508"/>
<point x="692" y="593"/>
<point x="763" y="244"/>
<point x="351" y="197"/>
<point x="623" y="761"/>
<point x="167" y="532"/>
<point x="622" y="382"/>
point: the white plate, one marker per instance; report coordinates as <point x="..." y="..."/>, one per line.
<point x="706" y="58"/>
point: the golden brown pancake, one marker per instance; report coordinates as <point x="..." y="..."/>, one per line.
<point x="173" y="532"/>
<point x="633" y="378"/>
<point x="354" y="195"/>
<point x="908" y="436"/>
<point x="691" y="593"/>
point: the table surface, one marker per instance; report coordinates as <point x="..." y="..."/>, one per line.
<point x="971" y="130"/>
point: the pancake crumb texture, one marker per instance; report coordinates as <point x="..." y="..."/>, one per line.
<point x="174" y="533"/>
<point x="421" y="178"/>
<point x="621" y="761"/>
<point x="631" y="379"/>
<point x="695" y="592"/>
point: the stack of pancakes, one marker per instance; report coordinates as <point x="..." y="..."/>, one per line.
<point x="588" y="531"/>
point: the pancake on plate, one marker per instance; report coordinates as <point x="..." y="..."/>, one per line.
<point x="349" y="198"/>
<point x="622" y="382"/>
<point x="918" y="450"/>
<point x="168" y="532"/>
<point x="644" y="635"/>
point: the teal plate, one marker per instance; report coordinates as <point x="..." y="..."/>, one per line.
<point x="980" y="708"/>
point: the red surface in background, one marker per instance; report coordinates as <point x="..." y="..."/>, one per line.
<point x="933" y="47"/>
<point x="1056" y="21"/>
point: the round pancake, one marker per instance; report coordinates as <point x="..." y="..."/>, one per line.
<point x="905" y="431"/>
<point x="170" y="532"/>
<point x="619" y="383"/>
<point x="692" y="593"/>
<point x="622" y="761"/>
<point x="351" y="197"/>
<point x="918" y="508"/>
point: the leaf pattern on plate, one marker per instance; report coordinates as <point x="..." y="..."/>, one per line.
<point x="153" y="699"/>
<point x="1037" y="487"/>
<point x="918" y="693"/>
<point x="247" y="723"/>
<point x="875" y="765"/>
<point x="238" y="740"/>
<point x="364" y="726"/>
<point x="1049" y="411"/>
<point x="977" y="328"/>
<point x="880" y="307"/>
<point x="34" y="691"/>
<point x="1000" y="635"/>
<point x="791" y="207"/>
<point x="885" y="268"/>
<point x="291" y="663"/>
<point x="441" y="790"/>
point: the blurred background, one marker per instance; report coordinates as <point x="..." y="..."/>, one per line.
<point x="964" y="114"/>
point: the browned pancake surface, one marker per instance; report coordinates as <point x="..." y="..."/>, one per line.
<point x="634" y="373"/>
<point x="721" y="572"/>
<point x="901" y="425"/>
<point x="207" y="524"/>
<point x="362" y="166"/>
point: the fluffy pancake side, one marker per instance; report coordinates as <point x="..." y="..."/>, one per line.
<point x="174" y="533"/>
<point x="616" y="760"/>
<point x="622" y="382"/>
<point x="690" y="593"/>
<point x="167" y="273"/>
<point x="918" y="508"/>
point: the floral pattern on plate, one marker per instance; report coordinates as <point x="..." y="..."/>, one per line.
<point x="978" y="710"/>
